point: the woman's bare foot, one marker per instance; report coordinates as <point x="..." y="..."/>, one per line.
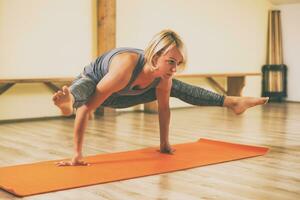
<point x="64" y="101"/>
<point x="240" y="104"/>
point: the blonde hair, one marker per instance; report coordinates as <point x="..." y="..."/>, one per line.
<point x="161" y="43"/>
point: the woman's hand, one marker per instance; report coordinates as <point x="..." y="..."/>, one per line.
<point x="167" y="149"/>
<point x="76" y="161"/>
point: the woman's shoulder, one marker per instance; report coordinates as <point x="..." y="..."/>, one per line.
<point x="124" y="62"/>
<point x="125" y="55"/>
<point x="121" y="50"/>
<point x="126" y="59"/>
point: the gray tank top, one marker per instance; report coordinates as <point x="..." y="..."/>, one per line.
<point x="99" y="68"/>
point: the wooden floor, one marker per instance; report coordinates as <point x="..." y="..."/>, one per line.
<point x="270" y="177"/>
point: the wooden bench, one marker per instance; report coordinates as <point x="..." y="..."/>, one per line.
<point x="235" y="84"/>
<point x="53" y="83"/>
<point x="7" y="83"/>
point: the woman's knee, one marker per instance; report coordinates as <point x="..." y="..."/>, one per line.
<point x="82" y="89"/>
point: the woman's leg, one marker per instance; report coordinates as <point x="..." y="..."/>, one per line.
<point x="82" y="89"/>
<point x="199" y="97"/>
<point x="190" y="94"/>
<point x="128" y="101"/>
<point x="74" y="96"/>
<point x="195" y="95"/>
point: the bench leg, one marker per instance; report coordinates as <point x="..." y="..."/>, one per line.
<point x="101" y="111"/>
<point x="235" y="85"/>
<point x="151" y="107"/>
<point x="6" y="87"/>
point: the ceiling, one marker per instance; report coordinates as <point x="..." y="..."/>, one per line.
<point x="278" y="2"/>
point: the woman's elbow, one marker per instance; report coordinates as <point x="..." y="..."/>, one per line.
<point x="86" y="109"/>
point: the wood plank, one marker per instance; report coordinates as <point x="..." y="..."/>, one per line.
<point x="52" y="86"/>
<point x="69" y="79"/>
<point x="36" y="80"/>
<point x="274" y="176"/>
<point x="106" y="25"/>
<point x="106" y="34"/>
<point x="205" y="75"/>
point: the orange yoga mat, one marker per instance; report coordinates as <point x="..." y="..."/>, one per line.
<point x="42" y="177"/>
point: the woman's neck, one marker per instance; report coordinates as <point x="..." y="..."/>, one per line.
<point x="146" y="76"/>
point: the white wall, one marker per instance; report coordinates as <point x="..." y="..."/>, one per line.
<point x="290" y="15"/>
<point x="45" y="38"/>
<point x="58" y="37"/>
<point x="221" y="35"/>
<point x="42" y="38"/>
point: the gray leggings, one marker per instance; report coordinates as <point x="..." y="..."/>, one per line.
<point x="83" y="88"/>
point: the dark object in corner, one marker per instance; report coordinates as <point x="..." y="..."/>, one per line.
<point x="274" y="82"/>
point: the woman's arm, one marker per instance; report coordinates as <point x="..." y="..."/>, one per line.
<point x="113" y="81"/>
<point x="108" y="85"/>
<point x="164" y="114"/>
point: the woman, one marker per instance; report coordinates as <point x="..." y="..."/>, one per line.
<point x="125" y="77"/>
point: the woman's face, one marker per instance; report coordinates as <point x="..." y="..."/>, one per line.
<point x="168" y="62"/>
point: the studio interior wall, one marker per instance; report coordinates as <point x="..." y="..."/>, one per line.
<point x="222" y="36"/>
<point x="49" y="38"/>
<point x="57" y="38"/>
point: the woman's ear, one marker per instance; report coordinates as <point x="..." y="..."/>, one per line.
<point x="154" y="60"/>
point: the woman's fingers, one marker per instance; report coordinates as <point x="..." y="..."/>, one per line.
<point x="63" y="163"/>
<point x="167" y="151"/>
<point x="82" y="163"/>
<point x="70" y="163"/>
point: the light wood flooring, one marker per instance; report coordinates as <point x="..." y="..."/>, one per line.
<point x="273" y="176"/>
